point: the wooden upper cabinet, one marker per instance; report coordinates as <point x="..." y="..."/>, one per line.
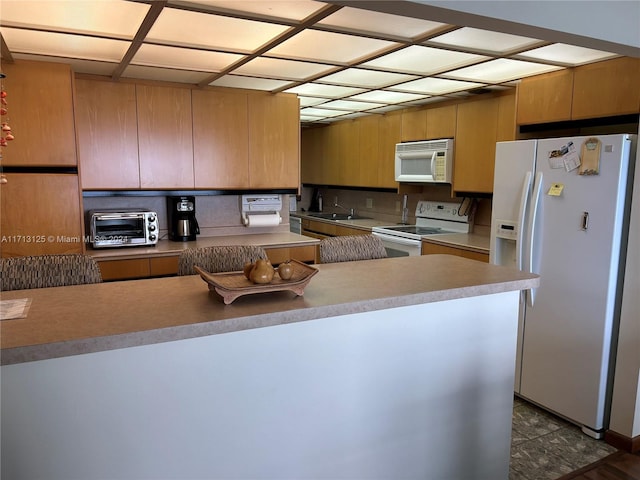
<point x="475" y="146"/>
<point x="441" y="122"/>
<point x="349" y="156"/>
<point x="368" y="151"/>
<point x="311" y="154"/>
<point x="107" y="131"/>
<point x="274" y="141"/>
<point x="545" y="98"/>
<point x="390" y="131"/>
<point x="414" y="125"/>
<point x="40" y="214"/>
<point x="165" y="136"/>
<point x="40" y="113"/>
<point x="606" y="88"/>
<point x="506" y="127"/>
<point x="220" y="141"/>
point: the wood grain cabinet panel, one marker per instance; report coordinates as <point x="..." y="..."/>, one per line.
<point x="306" y="254"/>
<point x="389" y="134"/>
<point x="312" y="144"/>
<point x="441" y="122"/>
<point x="165" y="136"/>
<point x="107" y="130"/>
<point x="606" y="88"/>
<point x="368" y="153"/>
<point x="414" y="125"/>
<point x="160" y="266"/>
<point x="220" y="139"/>
<point x="545" y="98"/>
<point x="40" y="214"/>
<point x="433" y="248"/>
<point x="124" y="269"/>
<point x="40" y="113"/>
<point x="274" y="141"/>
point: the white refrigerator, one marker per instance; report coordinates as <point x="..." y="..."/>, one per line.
<point x="560" y="210"/>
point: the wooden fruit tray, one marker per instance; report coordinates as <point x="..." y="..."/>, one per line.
<point x="231" y="285"/>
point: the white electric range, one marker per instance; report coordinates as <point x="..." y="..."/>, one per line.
<point x="432" y="218"/>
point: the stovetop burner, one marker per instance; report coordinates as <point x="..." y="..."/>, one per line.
<point x="416" y="229"/>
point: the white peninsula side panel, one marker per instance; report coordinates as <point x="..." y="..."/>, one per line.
<point x="394" y="393"/>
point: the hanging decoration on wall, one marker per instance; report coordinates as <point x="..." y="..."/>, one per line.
<point x="6" y="135"/>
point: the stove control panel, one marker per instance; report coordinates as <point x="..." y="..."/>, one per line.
<point x="439" y="210"/>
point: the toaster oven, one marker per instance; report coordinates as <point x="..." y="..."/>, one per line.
<point x="123" y="228"/>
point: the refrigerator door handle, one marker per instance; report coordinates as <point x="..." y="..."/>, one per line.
<point x="524" y="197"/>
<point x="535" y="201"/>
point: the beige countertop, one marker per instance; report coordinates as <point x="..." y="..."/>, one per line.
<point x="168" y="248"/>
<point x="73" y="320"/>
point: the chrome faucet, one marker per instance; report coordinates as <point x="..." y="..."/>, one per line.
<point x="352" y="211"/>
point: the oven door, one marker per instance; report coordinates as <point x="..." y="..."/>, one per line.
<point x="400" y="246"/>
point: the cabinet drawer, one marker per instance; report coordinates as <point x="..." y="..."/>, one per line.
<point x="303" y="254"/>
<point x="160" y="266"/>
<point x="124" y="269"/>
<point x="432" y="248"/>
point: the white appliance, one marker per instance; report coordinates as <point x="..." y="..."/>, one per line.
<point x="428" y="161"/>
<point x="559" y="210"/>
<point x="432" y="218"/>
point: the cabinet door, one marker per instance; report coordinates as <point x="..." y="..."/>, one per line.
<point x="106" y="124"/>
<point x="545" y="98"/>
<point x="506" y="128"/>
<point x="40" y="113"/>
<point x="220" y="139"/>
<point x="414" y="125"/>
<point x="349" y="157"/>
<point x="606" y="88"/>
<point x="312" y="153"/>
<point x="40" y="214"/>
<point x="164" y="137"/>
<point x="390" y="126"/>
<point x="274" y="141"/>
<point x="475" y="147"/>
<point x="441" y="122"/>
<point x="368" y="152"/>
<point x="433" y="248"/>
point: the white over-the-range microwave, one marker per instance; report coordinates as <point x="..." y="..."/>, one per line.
<point x="427" y="161"/>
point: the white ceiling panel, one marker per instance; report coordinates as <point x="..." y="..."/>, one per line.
<point x="350" y="105"/>
<point x="164" y="74"/>
<point x="501" y="70"/>
<point x="567" y="54"/>
<point x="366" y="78"/>
<point x="435" y="86"/>
<point x="387" y="96"/>
<point x="64" y="45"/>
<point x="320" y="112"/>
<point x="359" y="20"/>
<point x="291" y="9"/>
<point x="211" y="31"/>
<point x="423" y="60"/>
<point x="251" y="83"/>
<point x="328" y="91"/>
<point x="282" y="69"/>
<point x="183" y="58"/>
<point x="336" y="47"/>
<point x="114" y="18"/>
<point x="77" y="65"/>
<point x="474" y="39"/>
<point x="311" y="101"/>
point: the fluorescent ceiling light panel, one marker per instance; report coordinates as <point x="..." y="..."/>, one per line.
<point x="114" y="18"/>
<point x="310" y="118"/>
<point x="185" y="28"/>
<point x="355" y="19"/>
<point x="367" y="78"/>
<point x="64" y="45"/>
<point x="483" y="40"/>
<point x="350" y="105"/>
<point x="321" y="112"/>
<point x="423" y="60"/>
<point x="388" y="108"/>
<point x="501" y="70"/>
<point x="566" y="54"/>
<point x="77" y="65"/>
<point x="251" y="83"/>
<point x="328" y="46"/>
<point x="281" y="69"/>
<point x="328" y="91"/>
<point x="435" y="86"/>
<point x="387" y="96"/>
<point x="163" y="74"/>
<point x="311" y="101"/>
<point x="183" y="58"/>
<point x="291" y="9"/>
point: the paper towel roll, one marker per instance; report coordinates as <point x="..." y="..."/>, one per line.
<point x="263" y="220"/>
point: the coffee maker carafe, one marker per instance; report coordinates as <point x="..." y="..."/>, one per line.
<point x="181" y="215"/>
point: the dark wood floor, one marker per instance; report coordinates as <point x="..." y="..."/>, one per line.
<point x="617" y="466"/>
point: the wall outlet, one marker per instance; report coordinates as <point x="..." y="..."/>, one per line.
<point x="398" y="206"/>
<point x="369" y="202"/>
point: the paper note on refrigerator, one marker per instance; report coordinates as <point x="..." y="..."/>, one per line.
<point x="556" y="189"/>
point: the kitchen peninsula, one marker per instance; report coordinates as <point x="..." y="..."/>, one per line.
<point x="383" y="369"/>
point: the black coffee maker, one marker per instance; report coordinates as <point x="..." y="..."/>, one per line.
<point x="181" y="219"/>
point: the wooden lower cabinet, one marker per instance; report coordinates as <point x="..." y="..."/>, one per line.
<point x="138" y="268"/>
<point x="433" y="248"/>
<point x="305" y="254"/>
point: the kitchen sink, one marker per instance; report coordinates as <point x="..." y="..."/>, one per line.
<point x="338" y="216"/>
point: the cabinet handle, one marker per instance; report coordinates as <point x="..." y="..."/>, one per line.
<point x="585" y="221"/>
<point x="3" y="180"/>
